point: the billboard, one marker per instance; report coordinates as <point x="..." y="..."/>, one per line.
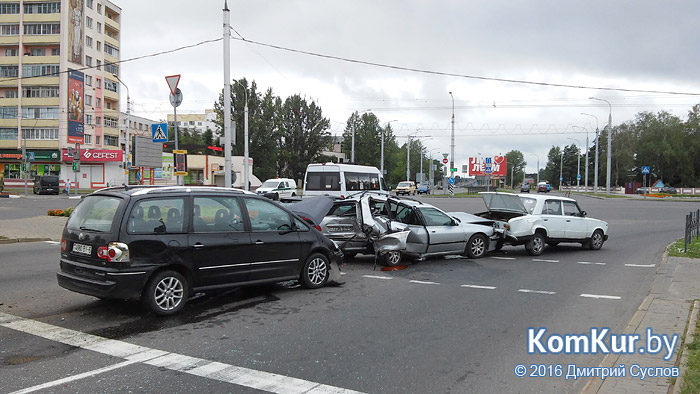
<point x="147" y="153"/>
<point x="480" y="166"/>
<point x="75" y="31"/>
<point x="76" y="106"/>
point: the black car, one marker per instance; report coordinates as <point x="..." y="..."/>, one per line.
<point x="46" y="184"/>
<point x="163" y="244"/>
<point x="668" y="190"/>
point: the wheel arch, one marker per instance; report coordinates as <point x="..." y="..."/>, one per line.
<point x="181" y="269"/>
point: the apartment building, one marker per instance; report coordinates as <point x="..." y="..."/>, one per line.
<point x="59" y="62"/>
<point x="199" y="122"/>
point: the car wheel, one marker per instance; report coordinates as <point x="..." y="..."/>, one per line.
<point x="552" y="243"/>
<point x="391" y="258"/>
<point x="477" y="246"/>
<point x="536" y="245"/>
<point x="597" y="240"/>
<point x="314" y="274"/>
<point x="276" y="197"/>
<point x="166" y="293"/>
<point x="294" y="194"/>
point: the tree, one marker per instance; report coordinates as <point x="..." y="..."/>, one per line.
<point x="516" y="165"/>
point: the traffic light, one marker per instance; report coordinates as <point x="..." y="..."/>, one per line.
<point x="76" y="166"/>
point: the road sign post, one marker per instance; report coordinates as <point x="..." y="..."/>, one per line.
<point x="646" y="171"/>
<point x="175" y="101"/>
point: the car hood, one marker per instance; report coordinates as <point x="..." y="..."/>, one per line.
<point x="503" y="202"/>
<point x="316" y="208"/>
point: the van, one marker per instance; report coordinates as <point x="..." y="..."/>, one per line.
<point x="277" y="188"/>
<point x="342" y="180"/>
<point x="46" y="184"/>
<point x="406" y="187"/>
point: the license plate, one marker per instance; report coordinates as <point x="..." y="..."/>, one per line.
<point x="82" y="249"/>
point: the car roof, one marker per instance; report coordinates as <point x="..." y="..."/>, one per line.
<point x="136" y="190"/>
<point x="545" y="197"/>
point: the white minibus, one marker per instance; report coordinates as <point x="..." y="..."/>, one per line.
<point x="342" y="180"/>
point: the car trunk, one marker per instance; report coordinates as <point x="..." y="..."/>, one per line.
<point x="502" y="206"/>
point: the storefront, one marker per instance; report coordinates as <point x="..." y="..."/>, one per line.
<point x="45" y="162"/>
<point x="98" y="168"/>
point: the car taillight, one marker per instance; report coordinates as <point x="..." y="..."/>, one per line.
<point x="64" y="245"/>
<point x="114" y="251"/>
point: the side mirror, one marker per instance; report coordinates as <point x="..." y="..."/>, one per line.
<point x="583" y="214"/>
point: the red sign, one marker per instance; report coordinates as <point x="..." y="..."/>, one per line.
<point x="95" y="155"/>
<point x="479" y="165"/>
<point x="444" y="160"/>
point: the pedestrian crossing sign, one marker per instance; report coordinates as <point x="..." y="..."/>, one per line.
<point x="159" y="132"/>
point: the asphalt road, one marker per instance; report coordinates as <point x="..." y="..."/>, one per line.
<point x="418" y="330"/>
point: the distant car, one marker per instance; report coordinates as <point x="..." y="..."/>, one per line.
<point x="543" y="187"/>
<point x="668" y="190"/>
<point x="642" y="190"/>
<point x="525" y="188"/>
<point x="423" y="189"/>
<point x="277" y="188"/>
<point x="536" y="220"/>
<point x="46" y="184"/>
<point x="406" y="187"/>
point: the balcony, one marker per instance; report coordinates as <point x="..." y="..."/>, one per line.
<point x="108" y="94"/>
<point x="42" y="39"/>
<point x="40" y="59"/>
<point x="38" y="18"/>
<point x="41" y="101"/>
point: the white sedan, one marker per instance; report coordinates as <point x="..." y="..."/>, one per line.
<point x="535" y="220"/>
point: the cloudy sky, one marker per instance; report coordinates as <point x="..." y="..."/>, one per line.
<point x="467" y="47"/>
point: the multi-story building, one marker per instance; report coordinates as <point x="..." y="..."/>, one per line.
<point x="59" y="62"/>
<point x="199" y="122"/>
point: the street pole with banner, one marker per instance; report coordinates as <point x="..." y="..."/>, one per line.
<point x="175" y="101"/>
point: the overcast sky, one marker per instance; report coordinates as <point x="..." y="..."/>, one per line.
<point x="638" y="45"/>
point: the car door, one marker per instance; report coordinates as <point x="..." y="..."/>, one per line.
<point x="444" y="234"/>
<point x="575" y="222"/>
<point x="417" y="241"/>
<point x="219" y="243"/>
<point x="276" y="248"/>
<point x="553" y="218"/>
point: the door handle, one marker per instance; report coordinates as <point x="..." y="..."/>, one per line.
<point x="259" y="242"/>
<point x="568" y="220"/>
<point x="545" y="219"/>
<point x="197" y="245"/>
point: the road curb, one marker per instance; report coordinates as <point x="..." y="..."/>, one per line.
<point x="18" y="240"/>
<point x="689" y="337"/>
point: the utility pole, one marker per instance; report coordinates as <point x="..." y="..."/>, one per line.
<point x="227" y="99"/>
<point x="452" y="137"/>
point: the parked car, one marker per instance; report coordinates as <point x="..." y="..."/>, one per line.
<point x="423" y="189"/>
<point x="277" y="188"/>
<point x="46" y="184"/>
<point x="164" y="244"/>
<point x="668" y="190"/>
<point x="525" y="188"/>
<point x="358" y="225"/>
<point x="544" y="187"/>
<point x="643" y="190"/>
<point x="536" y="220"/>
<point x="406" y="188"/>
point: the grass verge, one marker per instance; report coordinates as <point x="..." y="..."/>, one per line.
<point x="677" y="249"/>
<point x="691" y="378"/>
<point x="601" y="194"/>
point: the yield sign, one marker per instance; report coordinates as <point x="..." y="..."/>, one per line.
<point x="172" y="82"/>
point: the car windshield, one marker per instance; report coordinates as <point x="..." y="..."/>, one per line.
<point x="94" y="213"/>
<point x="270" y="184"/>
<point x="529" y="204"/>
<point x="404" y="184"/>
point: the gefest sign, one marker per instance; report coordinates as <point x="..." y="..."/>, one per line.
<point x="497" y="164"/>
<point x="95" y="155"/>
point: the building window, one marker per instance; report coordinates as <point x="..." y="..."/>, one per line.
<point x="40" y="70"/>
<point x="99" y="27"/>
<point x="99" y="64"/>
<point x="99" y="46"/>
<point x="99" y="103"/>
<point x="40" y="134"/>
<point x="8" y="134"/>
<point x="11" y="52"/>
<point x="88" y="22"/>
<point x="108" y="105"/>
<point x="55" y="51"/>
<point x="112" y="68"/>
<point x="8" y="71"/>
<point x="111" y="85"/>
<point x="88" y="41"/>
<point x="11" y="93"/>
<point x="97" y="140"/>
<point x="39" y="91"/>
<point x="39" y="112"/>
<point x="88" y="100"/>
<point x="111" y="140"/>
<point x="89" y="4"/>
<point x="88" y="139"/>
<point x="37" y="29"/>
<point x="37" y="52"/>
<point x="111" y="122"/>
<point x="9" y="30"/>
<point x="42" y="8"/>
<point x="98" y="85"/>
<point x="98" y="120"/>
<point x="88" y="61"/>
<point x="8" y="112"/>
<point x="88" y="120"/>
<point x="99" y="8"/>
<point x="9" y="8"/>
<point x="88" y="80"/>
<point x="112" y="51"/>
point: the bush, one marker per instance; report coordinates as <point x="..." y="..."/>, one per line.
<point x="59" y="212"/>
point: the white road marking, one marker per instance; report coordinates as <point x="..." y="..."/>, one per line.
<point x="479" y="287"/>
<point x="589" y="263"/>
<point x="377" y="277"/>
<point x="74" y="377"/>
<point x="503" y="258"/>
<point x="641" y="265"/>
<point x="546" y="261"/>
<point x="343" y="273"/>
<point x="246" y="377"/>
<point x="598" y="296"/>
<point x="421" y="282"/>
<point x="537" y="291"/>
<point x="52" y="242"/>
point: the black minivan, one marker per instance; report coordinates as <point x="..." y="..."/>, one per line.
<point x="46" y="184"/>
<point x="163" y="244"/>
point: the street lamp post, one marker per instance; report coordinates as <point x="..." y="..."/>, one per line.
<point x="538" y="166"/>
<point x="595" y="172"/>
<point x="578" y="168"/>
<point x="586" y="179"/>
<point x="561" y="170"/>
<point x="127" y="161"/>
<point x="382" y="154"/>
<point x="608" y="171"/>
<point x="452" y="136"/>
<point x="432" y="174"/>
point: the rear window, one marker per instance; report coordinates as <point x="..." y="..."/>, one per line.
<point x="323" y="181"/>
<point x="94" y="213"/>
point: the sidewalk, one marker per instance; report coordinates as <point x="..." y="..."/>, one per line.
<point x="666" y="310"/>
<point x="36" y="228"/>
